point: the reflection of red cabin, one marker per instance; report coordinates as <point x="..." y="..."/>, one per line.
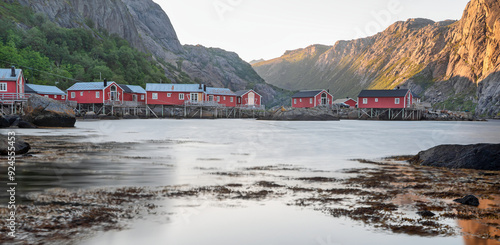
<point x="248" y="98"/>
<point x="222" y="96"/>
<point x="52" y="92"/>
<point x="96" y="93"/>
<point x="133" y="93"/>
<point x="174" y="94"/>
<point x="348" y="101"/>
<point x="313" y="98"/>
<point x="11" y="83"/>
<point x="397" y="98"/>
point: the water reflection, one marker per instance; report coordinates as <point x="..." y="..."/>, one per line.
<point x="487" y="230"/>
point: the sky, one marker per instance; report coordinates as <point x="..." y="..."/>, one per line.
<point x="265" y="29"/>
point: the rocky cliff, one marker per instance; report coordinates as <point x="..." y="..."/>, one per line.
<point x="452" y="64"/>
<point x="147" y="27"/>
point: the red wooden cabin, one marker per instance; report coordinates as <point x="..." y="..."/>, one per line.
<point x="312" y="98"/>
<point x="397" y="98"/>
<point x="348" y="101"/>
<point x="52" y="92"/>
<point x="11" y="85"/>
<point x="96" y="93"/>
<point x="248" y="98"/>
<point x="221" y="96"/>
<point x="174" y="94"/>
<point x="133" y="93"/>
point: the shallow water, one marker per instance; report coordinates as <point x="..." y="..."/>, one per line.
<point x="181" y="152"/>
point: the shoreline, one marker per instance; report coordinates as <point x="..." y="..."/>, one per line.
<point x="385" y="195"/>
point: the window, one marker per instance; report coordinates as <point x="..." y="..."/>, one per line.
<point x="81" y="93"/>
<point x="181" y="96"/>
<point x="239" y="100"/>
<point x="194" y="97"/>
<point x="73" y="95"/>
<point x="310" y="101"/>
<point x="154" y="96"/>
<point x="231" y="99"/>
<point x="210" y="98"/>
<point x="142" y="97"/>
<point x="113" y="93"/>
<point x="396" y="101"/>
<point x="376" y="99"/>
<point x="97" y="94"/>
<point x="300" y="100"/>
<point x="46" y="96"/>
<point x="295" y="101"/>
<point x="169" y="95"/>
<point x="365" y="100"/>
<point x="218" y="98"/>
<point x="224" y="98"/>
<point x="3" y="86"/>
<point x="55" y="96"/>
<point x="63" y="97"/>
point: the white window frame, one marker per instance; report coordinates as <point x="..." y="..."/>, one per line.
<point x="310" y="100"/>
<point x="46" y="96"/>
<point x="97" y="94"/>
<point x="81" y="93"/>
<point x="154" y="96"/>
<point x="218" y="98"/>
<point x="365" y="101"/>
<point x="73" y="95"/>
<point x="224" y="98"/>
<point x="142" y="97"/>
<point x="3" y="87"/>
<point x="181" y="96"/>
<point x="231" y="99"/>
<point x="376" y="99"/>
<point x="169" y="95"/>
<point x="397" y="101"/>
<point x="300" y="100"/>
<point x="294" y="101"/>
<point x="194" y="97"/>
<point x="63" y="97"/>
<point x="55" y="96"/>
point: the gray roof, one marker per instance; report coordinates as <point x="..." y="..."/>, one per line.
<point x="383" y="93"/>
<point x="28" y="89"/>
<point x="342" y="100"/>
<point x="44" y="89"/>
<point x="136" y="89"/>
<point x="5" y="74"/>
<point x="125" y="88"/>
<point x="306" y="94"/>
<point x="169" y="87"/>
<point x="220" y="91"/>
<point x="89" y="86"/>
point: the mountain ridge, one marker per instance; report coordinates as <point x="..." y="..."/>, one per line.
<point x="452" y="64"/>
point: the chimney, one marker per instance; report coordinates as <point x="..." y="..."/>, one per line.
<point x="13" y="71"/>
<point x="105" y="82"/>
<point x="200" y="87"/>
<point x="204" y="88"/>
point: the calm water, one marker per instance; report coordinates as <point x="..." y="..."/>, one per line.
<point x="177" y="152"/>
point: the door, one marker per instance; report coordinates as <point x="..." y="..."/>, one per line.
<point x="113" y="94"/>
<point x="324" y="99"/>
<point x="134" y="97"/>
<point x="251" y="98"/>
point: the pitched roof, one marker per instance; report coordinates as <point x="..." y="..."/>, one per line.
<point x="136" y="89"/>
<point x="5" y="74"/>
<point x="169" y="87"/>
<point x="125" y="88"/>
<point x="28" y="89"/>
<point x="306" y="94"/>
<point x="383" y="93"/>
<point x="220" y="91"/>
<point x="44" y="89"/>
<point x="89" y="86"/>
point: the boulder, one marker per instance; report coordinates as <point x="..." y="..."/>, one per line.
<point x="479" y="156"/>
<point x="21" y="147"/>
<point x="4" y="122"/>
<point x="24" y="124"/>
<point x="45" y="112"/>
<point x="468" y="200"/>
<point x="303" y="114"/>
<point x="13" y="119"/>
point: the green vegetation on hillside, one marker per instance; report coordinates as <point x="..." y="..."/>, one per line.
<point x="49" y="54"/>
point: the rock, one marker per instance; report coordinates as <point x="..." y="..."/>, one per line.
<point x="479" y="156"/>
<point x="468" y="200"/>
<point x="21" y="147"/>
<point x="426" y="213"/>
<point x="303" y="114"/>
<point x="13" y="119"/>
<point x="45" y="112"/>
<point x="4" y="123"/>
<point x="24" y="124"/>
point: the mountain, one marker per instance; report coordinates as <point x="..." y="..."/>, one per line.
<point x="452" y="64"/>
<point x="147" y="28"/>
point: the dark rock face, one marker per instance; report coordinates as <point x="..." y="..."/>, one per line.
<point x="480" y="156"/>
<point x="468" y="200"/>
<point x="303" y="114"/>
<point x="47" y="112"/>
<point x="21" y="147"/>
<point x="4" y="122"/>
